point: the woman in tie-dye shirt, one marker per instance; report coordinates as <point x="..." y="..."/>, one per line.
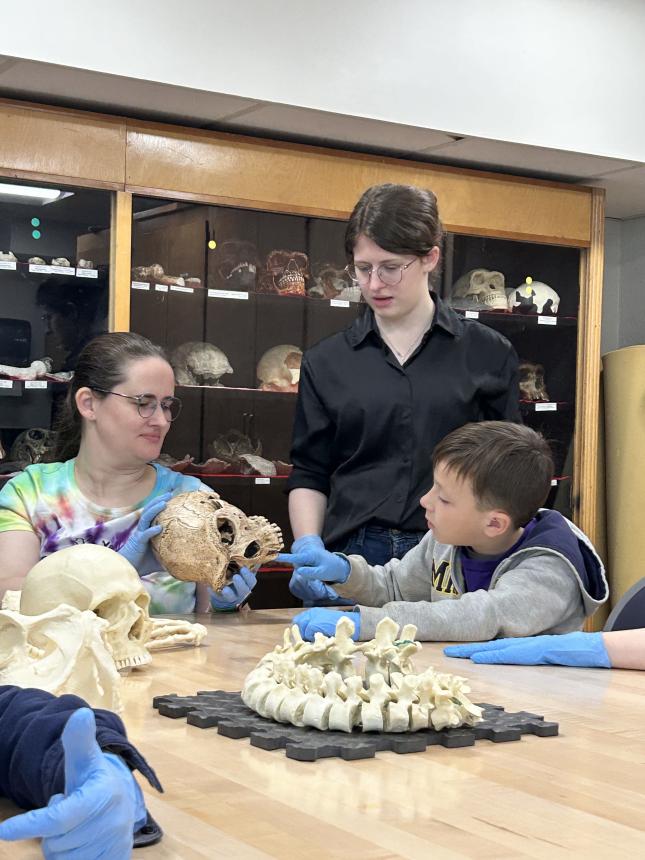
<point x="103" y="485"/>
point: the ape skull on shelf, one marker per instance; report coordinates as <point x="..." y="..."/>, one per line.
<point x="93" y="577"/>
<point x="61" y="651"/>
<point x="197" y="363"/>
<point x="279" y="368"/>
<point x="285" y="272"/>
<point x="531" y="381"/>
<point x="480" y="289"/>
<point x="30" y="446"/>
<point x="205" y="539"/>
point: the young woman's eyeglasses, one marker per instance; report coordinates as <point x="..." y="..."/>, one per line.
<point x="389" y="274"/>
<point x="147" y="403"/>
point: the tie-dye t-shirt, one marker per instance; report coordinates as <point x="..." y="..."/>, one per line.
<point x="45" y="499"/>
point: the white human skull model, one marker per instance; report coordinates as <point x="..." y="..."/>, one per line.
<point x="197" y="363"/>
<point x="279" y="368"/>
<point x="61" y="651"/>
<point x="317" y="684"/>
<point x="530" y="293"/>
<point x="204" y="539"/>
<point x="480" y="289"/>
<point x="93" y="577"/>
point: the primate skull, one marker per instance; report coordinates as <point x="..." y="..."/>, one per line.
<point x="205" y="539"/>
<point x="279" y="368"/>
<point x="531" y="382"/>
<point x="93" y="577"/>
<point x="197" y="363"/>
<point x="285" y="272"/>
<point x="482" y="288"/>
<point x="30" y="446"/>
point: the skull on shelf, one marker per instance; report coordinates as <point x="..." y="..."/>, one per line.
<point x="532" y="294"/>
<point x="30" y="446"/>
<point x="279" y="368"/>
<point x="285" y="272"/>
<point x="236" y="264"/>
<point x="231" y="445"/>
<point x="329" y="281"/>
<point x="479" y="289"/>
<point x="197" y="363"/>
<point x="205" y="539"/>
<point x="531" y="381"/>
<point x="93" y="577"/>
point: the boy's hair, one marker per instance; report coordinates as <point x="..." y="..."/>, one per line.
<point x="509" y="466"/>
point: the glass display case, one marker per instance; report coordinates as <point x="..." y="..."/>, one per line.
<point x="530" y="293"/>
<point x="235" y="296"/>
<point x="54" y="289"/>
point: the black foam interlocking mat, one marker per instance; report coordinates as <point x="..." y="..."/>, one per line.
<point x="227" y="711"/>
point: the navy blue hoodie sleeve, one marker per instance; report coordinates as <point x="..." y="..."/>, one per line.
<point x="31" y="752"/>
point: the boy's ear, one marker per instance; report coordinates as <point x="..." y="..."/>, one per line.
<point x="498" y="523"/>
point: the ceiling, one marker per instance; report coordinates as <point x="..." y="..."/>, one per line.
<point x="28" y="80"/>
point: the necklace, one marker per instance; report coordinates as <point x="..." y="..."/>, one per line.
<point x="403" y="355"/>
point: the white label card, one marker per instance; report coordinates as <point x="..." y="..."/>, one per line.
<point x="7" y="264"/>
<point x="35" y="383"/>
<point x="161" y="288"/>
<point x="6" y="383"/>
<point x="471" y="315"/>
<point x="263" y="480"/>
<point x="554" y="482"/>
<point x="547" y="320"/>
<point x="140" y="285"/>
<point x="87" y="273"/>
<point x="63" y="270"/>
<point x="40" y="269"/>
<point x="227" y="294"/>
<point x="546" y="407"/>
<point x="339" y="303"/>
<point x="177" y="289"/>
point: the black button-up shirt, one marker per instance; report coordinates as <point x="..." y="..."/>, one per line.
<point x="365" y="427"/>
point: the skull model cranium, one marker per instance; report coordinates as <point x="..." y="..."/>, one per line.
<point x="531" y="381"/>
<point x="285" y="272"/>
<point x="197" y="363"/>
<point x="89" y="576"/>
<point x="479" y="289"/>
<point x="279" y="368"/>
<point x="534" y="293"/>
<point x="61" y="651"/>
<point x="236" y="264"/>
<point x="204" y="539"/>
<point x="30" y="446"/>
<point x="329" y="281"/>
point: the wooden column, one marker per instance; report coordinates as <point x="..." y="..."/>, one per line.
<point x="120" y="261"/>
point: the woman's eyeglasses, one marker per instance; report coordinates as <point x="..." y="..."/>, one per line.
<point x="147" y="403"/>
<point x="389" y="274"/>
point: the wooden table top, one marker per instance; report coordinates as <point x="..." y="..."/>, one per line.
<point x="581" y="794"/>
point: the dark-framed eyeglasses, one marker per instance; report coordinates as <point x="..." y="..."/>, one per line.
<point x="389" y="274"/>
<point x="147" y="403"/>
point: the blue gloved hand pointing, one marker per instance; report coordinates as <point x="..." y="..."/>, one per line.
<point x="100" y="810"/>
<point x="313" y="567"/>
<point x="319" y="620"/>
<point x="568" y="649"/>
<point x="134" y="549"/>
<point x="235" y="592"/>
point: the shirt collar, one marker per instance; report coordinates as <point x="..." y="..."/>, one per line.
<point x="444" y="317"/>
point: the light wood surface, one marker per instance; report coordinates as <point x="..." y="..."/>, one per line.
<point x="577" y="795"/>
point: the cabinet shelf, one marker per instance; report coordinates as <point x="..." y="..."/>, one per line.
<point x="507" y="318"/>
<point x="31" y="269"/>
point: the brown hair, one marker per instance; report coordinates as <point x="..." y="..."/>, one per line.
<point x="402" y="219"/>
<point x="102" y="363"/>
<point x="509" y="466"/>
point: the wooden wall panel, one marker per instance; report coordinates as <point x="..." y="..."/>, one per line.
<point x="56" y="145"/>
<point x="235" y="170"/>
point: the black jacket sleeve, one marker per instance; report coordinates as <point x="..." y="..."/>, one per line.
<point x="31" y="752"/>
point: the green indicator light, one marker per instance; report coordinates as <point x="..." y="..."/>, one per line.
<point x="35" y="234"/>
<point x="35" y="222"/>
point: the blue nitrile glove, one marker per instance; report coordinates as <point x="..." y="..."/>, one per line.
<point x="319" y="620"/>
<point x="100" y="810"/>
<point x="134" y="549"/>
<point x="567" y="649"/>
<point x="307" y="542"/>
<point x="316" y="563"/>
<point x="311" y="591"/>
<point x="235" y="593"/>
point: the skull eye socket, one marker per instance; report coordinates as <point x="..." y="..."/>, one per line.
<point x="252" y="549"/>
<point x="226" y="531"/>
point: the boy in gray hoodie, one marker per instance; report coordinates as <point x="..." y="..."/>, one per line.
<point x="493" y="564"/>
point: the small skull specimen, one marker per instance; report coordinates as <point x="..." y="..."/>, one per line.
<point x="279" y="368"/>
<point x="93" y="577"/>
<point x="60" y="261"/>
<point x="205" y="539"/>
<point x="230" y="446"/>
<point x="30" y="446"/>
<point x="197" y="363"/>
<point x="8" y="257"/>
<point x="236" y="264"/>
<point x="531" y="381"/>
<point x="479" y="289"/>
<point x="329" y="281"/>
<point x="285" y="272"/>
<point x="533" y="297"/>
